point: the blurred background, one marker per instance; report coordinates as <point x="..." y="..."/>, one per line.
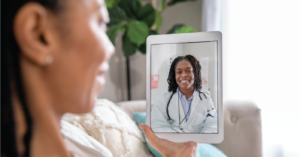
<point x="261" y="51"/>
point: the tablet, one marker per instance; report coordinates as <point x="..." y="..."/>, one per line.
<point x="184" y="87"/>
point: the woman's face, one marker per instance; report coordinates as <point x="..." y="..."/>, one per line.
<point x="81" y="56"/>
<point x="184" y="75"/>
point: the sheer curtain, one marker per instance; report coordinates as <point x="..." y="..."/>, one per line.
<point x="261" y="63"/>
<point x="211" y="15"/>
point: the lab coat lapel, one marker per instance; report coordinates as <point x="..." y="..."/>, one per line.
<point x="182" y="115"/>
<point x="174" y="109"/>
<point x="195" y="102"/>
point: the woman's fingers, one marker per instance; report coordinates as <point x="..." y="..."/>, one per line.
<point x="163" y="146"/>
<point x="190" y="149"/>
<point x="168" y="148"/>
<point x="151" y="137"/>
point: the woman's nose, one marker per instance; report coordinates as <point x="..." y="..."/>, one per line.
<point x="110" y="49"/>
<point x="184" y="74"/>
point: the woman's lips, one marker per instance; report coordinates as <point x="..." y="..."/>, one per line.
<point x="101" y="80"/>
<point x="100" y="77"/>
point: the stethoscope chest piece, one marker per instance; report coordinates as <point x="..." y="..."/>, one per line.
<point x="180" y="128"/>
<point x="170" y="121"/>
<point x="208" y="114"/>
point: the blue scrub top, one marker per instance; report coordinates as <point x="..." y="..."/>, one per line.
<point x="185" y="103"/>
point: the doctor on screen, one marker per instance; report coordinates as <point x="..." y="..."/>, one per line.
<point x="184" y="108"/>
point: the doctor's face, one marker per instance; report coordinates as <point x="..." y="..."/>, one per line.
<point x="184" y="75"/>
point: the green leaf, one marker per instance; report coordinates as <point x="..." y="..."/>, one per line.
<point x="185" y="29"/>
<point x="111" y="3"/>
<point x="129" y="48"/>
<point x="158" y="20"/>
<point x="131" y="7"/>
<point x="147" y="14"/>
<point x="181" y="28"/>
<point x="112" y="31"/>
<point x="153" y="32"/>
<point x="137" y="32"/>
<point x="142" y="47"/>
<point x="172" y="2"/>
<point x="116" y="15"/>
<point x="174" y="28"/>
<point x="122" y="29"/>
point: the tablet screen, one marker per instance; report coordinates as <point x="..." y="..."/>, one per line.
<point x="184" y="88"/>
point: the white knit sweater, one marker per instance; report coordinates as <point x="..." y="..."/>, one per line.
<point x="79" y="144"/>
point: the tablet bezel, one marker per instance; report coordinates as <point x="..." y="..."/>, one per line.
<point x="188" y="38"/>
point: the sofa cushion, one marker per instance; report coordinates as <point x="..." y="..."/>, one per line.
<point x="114" y="129"/>
<point x="203" y="150"/>
<point x="132" y="106"/>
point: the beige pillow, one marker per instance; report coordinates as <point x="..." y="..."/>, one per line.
<point x="114" y="129"/>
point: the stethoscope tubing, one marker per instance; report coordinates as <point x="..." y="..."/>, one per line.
<point x="169" y="118"/>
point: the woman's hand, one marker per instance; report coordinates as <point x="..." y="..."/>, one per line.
<point x="168" y="148"/>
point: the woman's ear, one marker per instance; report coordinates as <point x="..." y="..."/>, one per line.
<point x="31" y="30"/>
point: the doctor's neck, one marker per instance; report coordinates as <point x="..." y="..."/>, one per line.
<point x="186" y="92"/>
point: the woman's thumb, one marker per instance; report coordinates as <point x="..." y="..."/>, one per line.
<point x="148" y="132"/>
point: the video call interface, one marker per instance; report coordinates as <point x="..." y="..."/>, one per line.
<point x="184" y="88"/>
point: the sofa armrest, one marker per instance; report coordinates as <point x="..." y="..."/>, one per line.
<point x="132" y="106"/>
<point x="242" y="130"/>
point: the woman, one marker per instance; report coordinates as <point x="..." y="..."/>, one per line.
<point x="184" y="108"/>
<point x="54" y="57"/>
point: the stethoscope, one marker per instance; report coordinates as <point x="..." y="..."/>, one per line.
<point x="171" y="121"/>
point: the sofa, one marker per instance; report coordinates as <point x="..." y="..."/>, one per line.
<point x="242" y="127"/>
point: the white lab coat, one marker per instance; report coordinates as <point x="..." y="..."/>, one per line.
<point x="198" y="122"/>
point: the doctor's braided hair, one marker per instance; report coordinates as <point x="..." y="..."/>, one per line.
<point x="196" y="70"/>
<point x="12" y="78"/>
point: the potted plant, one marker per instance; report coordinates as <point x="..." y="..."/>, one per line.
<point x="137" y="20"/>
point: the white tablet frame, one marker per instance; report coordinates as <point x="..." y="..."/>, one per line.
<point x="214" y="36"/>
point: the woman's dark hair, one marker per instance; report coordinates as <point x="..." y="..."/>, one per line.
<point x="12" y="78"/>
<point x="196" y="69"/>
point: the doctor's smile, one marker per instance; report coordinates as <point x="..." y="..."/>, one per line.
<point x="185" y="82"/>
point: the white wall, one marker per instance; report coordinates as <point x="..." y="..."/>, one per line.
<point x="159" y="65"/>
<point x="203" y="50"/>
<point x="188" y="13"/>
